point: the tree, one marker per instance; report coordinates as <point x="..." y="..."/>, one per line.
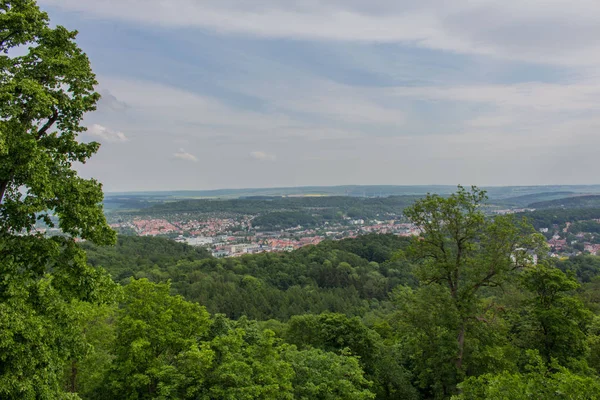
<point x="461" y="252"/>
<point x="85" y="374"/>
<point x="335" y="333"/>
<point x="322" y="375"/>
<point x="152" y="330"/>
<point x="538" y="382"/>
<point x="553" y="321"/>
<point x="339" y="334"/>
<point x="43" y="97"/>
<point x="44" y="94"/>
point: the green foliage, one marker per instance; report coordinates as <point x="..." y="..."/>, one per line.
<point x="333" y="332"/>
<point x="86" y="371"/>
<point x="373" y="247"/>
<point x="553" y="322"/>
<point x="36" y="341"/>
<point x="165" y="347"/>
<point x="285" y="212"/>
<point x="403" y="316"/>
<point x="527" y="199"/>
<point x="321" y="375"/>
<point x="132" y="255"/>
<point x="538" y="382"/>
<point x="425" y="325"/>
<point x="153" y="328"/>
<point x="314" y="279"/>
<point x="251" y="206"/>
<point x="585" y="226"/>
<point x="590" y="201"/>
<point x="284" y="219"/>
<point x="460" y="253"/>
<point x="50" y="86"/>
<point x="38" y="312"/>
<point x="585" y="267"/>
<point x="46" y="86"/>
<point x="342" y="335"/>
<point x="248" y="368"/>
<point x="559" y="216"/>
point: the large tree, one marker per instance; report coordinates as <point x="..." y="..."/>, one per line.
<point x="44" y="94"/>
<point x="460" y="252"/>
<point x="46" y="86"/>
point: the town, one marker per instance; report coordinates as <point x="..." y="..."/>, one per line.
<point x="234" y="236"/>
<point x="231" y="237"/>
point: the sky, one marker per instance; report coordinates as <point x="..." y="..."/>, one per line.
<point x="207" y="94"/>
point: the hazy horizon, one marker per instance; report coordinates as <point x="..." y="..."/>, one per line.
<point x="324" y="187"/>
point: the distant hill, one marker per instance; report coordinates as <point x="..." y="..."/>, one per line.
<point x="547" y="218"/>
<point x="590" y="201"/>
<point x="495" y="192"/>
<point x="527" y="199"/>
<point x="512" y="196"/>
<point x="347" y="190"/>
<point x="325" y="206"/>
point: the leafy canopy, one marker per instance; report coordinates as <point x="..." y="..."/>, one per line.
<point x="46" y="86"/>
<point x="44" y="94"/>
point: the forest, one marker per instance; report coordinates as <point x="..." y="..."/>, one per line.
<point x="325" y="207"/>
<point x="560" y="216"/>
<point x="471" y="308"/>
<point x="460" y="312"/>
<point x="590" y="201"/>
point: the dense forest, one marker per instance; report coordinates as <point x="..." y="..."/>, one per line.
<point x="527" y="199"/>
<point x="559" y="216"/>
<point x="285" y="219"/>
<point x="325" y="206"/>
<point x="379" y="305"/>
<point x="591" y="201"/>
<point x="349" y="277"/>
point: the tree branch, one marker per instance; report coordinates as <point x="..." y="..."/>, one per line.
<point x="7" y="37"/>
<point x="41" y="132"/>
<point x="47" y="125"/>
<point x="3" y="186"/>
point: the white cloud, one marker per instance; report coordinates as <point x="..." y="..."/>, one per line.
<point x="548" y="97"/>
<point x="187" y="115"/>
<point x="336" y="102"/>
<point x="262" y="156"/>
<point x="184" y="155"/>
<point x="554" y="31"/>
<point x="109" y="101"/>
<point x="105" y="134"/>
<point x="491" y="121"/>
<point x="162" y="103"/>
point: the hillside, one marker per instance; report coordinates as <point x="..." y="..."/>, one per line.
<point x="344" y="276"/>
<point x="354" y="206"/>
<point x="527" y="199"/>
<point x="560" y="216"/>
<point x="589" y="201"/>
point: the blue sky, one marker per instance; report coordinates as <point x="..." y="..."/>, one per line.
<point x="231" y="93"/>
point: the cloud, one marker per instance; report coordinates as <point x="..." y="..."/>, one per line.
<point x="556" y="31"/>
<point x="159" y="103"/>
<point x="108" y="100"/>
<point x="548" y="97"/>
<point x="262" y="156"/>
<point x="189" y="116"/>
<point x="106" y="134"/>
<point x="183" y="155"/>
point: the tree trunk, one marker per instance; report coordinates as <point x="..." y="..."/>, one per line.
<point x="73" y="377"/>
<point x="461" y="346"/>
<point x="3" y="186"/>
